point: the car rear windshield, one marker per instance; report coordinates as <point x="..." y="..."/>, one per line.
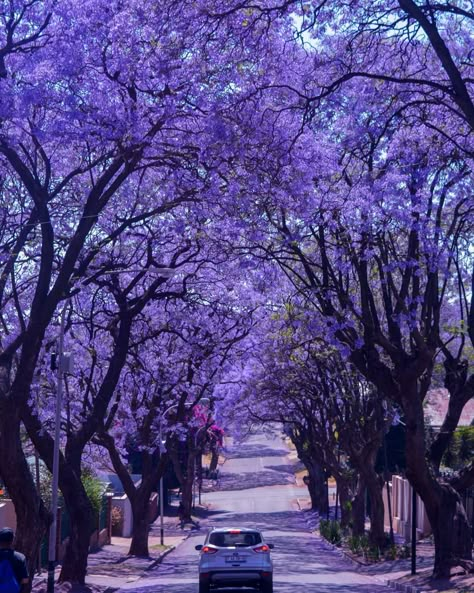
<point x="235" y="539"/>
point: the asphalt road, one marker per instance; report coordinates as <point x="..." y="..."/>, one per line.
<point x="257" y="490"/>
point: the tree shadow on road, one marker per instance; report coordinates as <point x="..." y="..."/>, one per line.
<point x="245" y="451"/>
<point x="247" y="480"/>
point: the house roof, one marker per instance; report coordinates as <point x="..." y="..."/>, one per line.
<point x="436" y="406"/>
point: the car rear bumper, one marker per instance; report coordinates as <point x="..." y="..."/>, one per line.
<point x="237" y="577"/>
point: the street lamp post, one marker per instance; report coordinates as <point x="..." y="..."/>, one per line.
<point x="55" y="476"/>
<point x="162" y="530"/>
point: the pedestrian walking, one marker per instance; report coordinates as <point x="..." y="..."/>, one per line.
<point x="13" y="568"/>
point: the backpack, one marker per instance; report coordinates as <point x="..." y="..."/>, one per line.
<point x="8" y="582"/>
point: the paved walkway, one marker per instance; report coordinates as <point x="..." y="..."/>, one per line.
<point x="110" y="568"/>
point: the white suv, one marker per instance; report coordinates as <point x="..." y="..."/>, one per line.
<point x="235" y="558"/>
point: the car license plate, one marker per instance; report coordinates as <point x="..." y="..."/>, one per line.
<point x="235" y="558"/>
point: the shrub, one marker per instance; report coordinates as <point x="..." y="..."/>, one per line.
<point x="331" y="530"/>
<point x="391" y="553"/>
<point x="94" y="489"/>
<point x="354" y="544"/>
<point x="372" y="554"/>
<point x="403" y="551"/>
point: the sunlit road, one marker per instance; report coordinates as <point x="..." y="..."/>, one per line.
<point x="302" y="563"/>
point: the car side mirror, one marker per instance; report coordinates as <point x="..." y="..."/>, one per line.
<point x="198" y="548"/>
<point x="271" y="546"/>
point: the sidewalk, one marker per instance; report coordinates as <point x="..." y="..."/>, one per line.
<point x="394" y="573"/>
<point x="397" y="573"/>
<point x="110" y="568"/>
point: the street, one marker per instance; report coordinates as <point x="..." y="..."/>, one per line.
<point x="302" y="562"/>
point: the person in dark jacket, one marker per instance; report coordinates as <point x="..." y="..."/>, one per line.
<point x="15" y="577"/>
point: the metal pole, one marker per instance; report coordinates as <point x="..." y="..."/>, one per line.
<point x="327" y="496"/>
<point x="200" y="477"/>
<point x="196" y="466"/>
<point x="55" y="477"/>
<point x="413" y="531"/>
<point x="162" y="528"/>
<point x="389" y="497"/>
<point x="337" y="484"/>
<point x="38" y="487"/>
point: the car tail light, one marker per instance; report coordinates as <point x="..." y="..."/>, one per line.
<point x="208" y="550"/>
<point x="263" y="548"/>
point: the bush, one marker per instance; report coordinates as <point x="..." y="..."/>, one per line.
<point x="354" y="544"/>
<point x="403" y="551"/>
<point x="331" y="531"/>
<point x="94" y="489"/>
<point x="372" y="554"/>
<point x="391" y="553"/>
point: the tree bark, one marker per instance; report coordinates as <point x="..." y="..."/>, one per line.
<point x="375" y="489"/>
<point x="344" y="501"/>
<point x="358" y="509"/>
<point x="214" y="460"/>
<point x="141" y="524"/>
<point x="79" y="507"/>
<point x="33" y="518"/>
<point x="186" y="479"/>
<point x="452" y="533"/>
<point x="451" y="529"/>
<point x="187" y="498"/>
<point x="317" y="486"/>
<point x="153" y="468"/>
<point x="81" y="516"/>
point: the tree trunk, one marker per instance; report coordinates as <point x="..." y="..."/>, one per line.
<point x="345" y="502"/>
<point x="214" y="460"/>
<point x="377" y="510"/>
<point x="32" y="516"/>
<point x="452" y="533"/>
<point x="358" y="509"/>
<point x="451" y="529"/>
<point x="153" y="467"/>
<point x="141" y="525"/>
<point x="81" y="517"/>
<point x="317" y="487"/>
<point x="78" y="505"/>
<point x="186" y="479"/>
<point x="187" y="496"/>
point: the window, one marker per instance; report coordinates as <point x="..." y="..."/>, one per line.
<point x="236" y="539"/>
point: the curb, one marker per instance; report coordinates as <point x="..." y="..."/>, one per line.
<point x="160" y="558"/>
<point x="393" y="584"/>
<point x="332" y="547"/>
<point x="341" y="553"/>
<point x="401" y="586"/>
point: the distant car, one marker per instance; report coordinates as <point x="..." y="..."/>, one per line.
<point x="235" y="558"/>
